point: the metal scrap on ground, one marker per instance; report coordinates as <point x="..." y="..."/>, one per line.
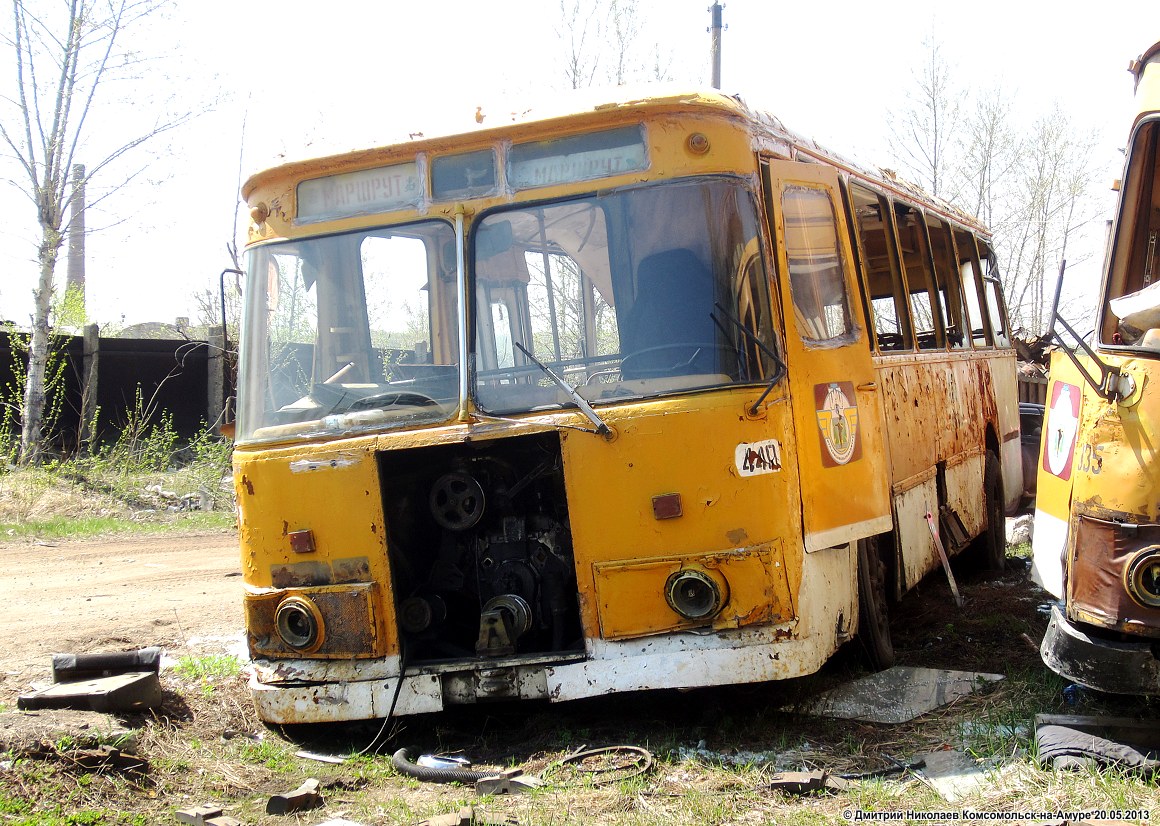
<point x="895" y="695"/>
<point x="117" y="682"/>
<point x="1068" y="741"/>
<point x="301" y="799"/>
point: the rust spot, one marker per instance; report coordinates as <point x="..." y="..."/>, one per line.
<point x="248" y="485"/>
<point x="355" y="569"/>
<point x="300" y="574"/>
<point x="737" y="536"/>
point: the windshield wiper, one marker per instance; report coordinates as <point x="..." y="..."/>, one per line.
<point x="581" y="402"/>
<point x="745" y="331"/>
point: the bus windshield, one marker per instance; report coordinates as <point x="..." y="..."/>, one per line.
<point x="629" y="293"/>
<point x="348" y="331"/>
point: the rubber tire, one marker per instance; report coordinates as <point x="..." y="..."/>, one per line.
<point x="991" y="549"/>
<point x="873" y="609"/>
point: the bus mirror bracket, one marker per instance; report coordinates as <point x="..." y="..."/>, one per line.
<point x="1111" y="384"/>
<point x="222" y="296"/>
<point x="227" y="426"/>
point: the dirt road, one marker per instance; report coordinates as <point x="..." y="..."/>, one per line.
<point x="178" y="592"/>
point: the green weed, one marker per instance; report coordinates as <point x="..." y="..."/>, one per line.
<point x="209" y="667"/>
<point x="10" y="805"/>
<point x="270" y="754"/>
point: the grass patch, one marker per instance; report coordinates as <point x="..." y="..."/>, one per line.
<point x="104" y="526"/>
<point x="208" y="671"/>
<point x="10" y="805"/>
<point x="144" y="481"/>
<point x="1022" y="550"/>
<point x="270" y="753"/>
<point x="209" y="667"/>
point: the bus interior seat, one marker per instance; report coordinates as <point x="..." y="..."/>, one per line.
<point x="672" y="314"/>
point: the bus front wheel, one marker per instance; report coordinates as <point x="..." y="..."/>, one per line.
<point x="873" y="612"/>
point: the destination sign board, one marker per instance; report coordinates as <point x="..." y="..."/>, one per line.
<point x="577" y="158"/>
<point x="358" y="193"/>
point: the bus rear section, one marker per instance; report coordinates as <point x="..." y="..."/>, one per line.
<point x="1097" y="521"/>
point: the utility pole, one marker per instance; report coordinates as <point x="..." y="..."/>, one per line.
<point x="715" y="42"/>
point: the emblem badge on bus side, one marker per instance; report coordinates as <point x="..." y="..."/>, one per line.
<point x="837" y="413"/>
<point x="1062" y="426"/>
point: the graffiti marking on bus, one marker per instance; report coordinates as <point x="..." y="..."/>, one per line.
<point x="758" y="458"/>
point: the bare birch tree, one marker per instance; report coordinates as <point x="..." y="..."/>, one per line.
<point x="1031" y="187"/>
<point x="1048" y="203"/>
<point x="602" y="42"/>
<point x="63" y="56"/>
<point x="923" y="131"/>
<point x="579" y="35"/>
<point x="989" y="152"/>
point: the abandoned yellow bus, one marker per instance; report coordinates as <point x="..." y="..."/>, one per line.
<point x="1097" y="520"/>
<point x="649" y="394"/>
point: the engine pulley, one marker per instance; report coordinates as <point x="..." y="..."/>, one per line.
<point x="457" y="501"/>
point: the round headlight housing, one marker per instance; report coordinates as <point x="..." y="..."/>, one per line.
<point x="694" y="594"/>
<point x="1142" y="576"/>
<point x="299" y="624"/>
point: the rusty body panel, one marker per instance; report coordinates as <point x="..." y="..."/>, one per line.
<point x="1097" y="529"/>
<point x="446" y="521"/>
<point x="958" y="394"/>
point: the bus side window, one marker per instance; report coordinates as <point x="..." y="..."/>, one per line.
<point x="816" y="276"/>
<point x="996" y="309"/>
<point x="887" y="302"/>
<point x="972" y="277"/>
<point x="949" y="291"/>
<point x="914" y="252"/>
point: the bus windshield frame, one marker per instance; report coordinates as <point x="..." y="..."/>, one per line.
<point x="639" y="291"/>
<point x="350" y="331"/>
<point x="627" y="293"/>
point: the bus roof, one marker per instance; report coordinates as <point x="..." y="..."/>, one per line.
<point x="590" y="107"/>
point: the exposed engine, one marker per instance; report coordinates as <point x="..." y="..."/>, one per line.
<point x="481" y="550"/>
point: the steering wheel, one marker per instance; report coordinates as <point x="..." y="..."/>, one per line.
<point x="675" y="367"/>
<point x="393" y="397"/>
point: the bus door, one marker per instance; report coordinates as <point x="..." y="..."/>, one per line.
<point x="837" y="409"/>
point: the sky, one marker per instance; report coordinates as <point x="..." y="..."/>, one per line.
<point x="271" y="80"/>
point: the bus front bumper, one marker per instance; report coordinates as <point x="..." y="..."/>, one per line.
<point x="304" y="692"/>
<point x="1111" y="666"/>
